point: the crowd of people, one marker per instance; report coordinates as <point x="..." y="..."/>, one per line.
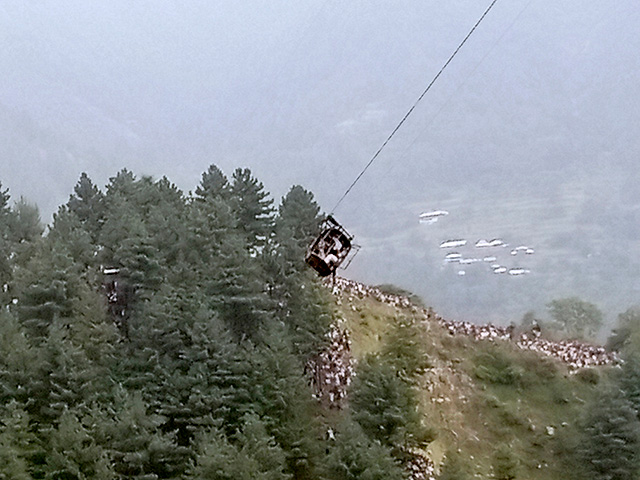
<point x="331" y="370"/>
<point x="574" y="353"/>
<point x="478" y="332"/>
<point x="360" y="290"/>
<point x="419" y="466"/>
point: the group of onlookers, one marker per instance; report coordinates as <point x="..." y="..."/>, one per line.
<point x="331" y="370"/>
<point x="575" y="353"/>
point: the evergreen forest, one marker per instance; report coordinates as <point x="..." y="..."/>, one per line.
<point x="148" y="333"/>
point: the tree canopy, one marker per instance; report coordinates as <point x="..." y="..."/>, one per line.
<point x="153" y="334"/>
<point x="576" y="317"/>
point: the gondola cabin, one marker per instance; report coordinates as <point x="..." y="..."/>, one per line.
<point x="330" y="249"/>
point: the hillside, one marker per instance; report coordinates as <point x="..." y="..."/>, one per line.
<point x="484" y="386"/>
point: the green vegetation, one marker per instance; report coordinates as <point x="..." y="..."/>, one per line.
<point x="189" y="363"/>
<point x="575" y="317"/>
<point x="610" y="437"/>
<point x="492" y="410"/>
<point x="202" y="347"/>
<point x="454" y="467"/>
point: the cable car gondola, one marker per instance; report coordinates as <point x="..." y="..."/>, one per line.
<point x="330" y="249"/>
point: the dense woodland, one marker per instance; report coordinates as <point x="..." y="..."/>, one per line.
<point x="201" y="372"/>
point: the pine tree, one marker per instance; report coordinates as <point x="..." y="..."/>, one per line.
<point x="18" y="362"/>
<point x="27" y="226"/>
<point x="218" y="459"/>
<point x="72" y="452"/>
<point x="17" y="443"/>
<point x="137" y="449"/>
<point x="25" y="232"/>
<point x="141" y="266"/>
<point x="354" y="456"/>
<point x="213" y="185"/>
<point x="6" y="224"/>
<point x="253" y="208"/>
<point x="237" y="290"/>
<point x="250" y="454"/>
<point x="281" y="396"/>
<point x="93" y="331"/>
<point x="64" y="331"/>
<point x="610" y="446"/>
<point x="62" y="378"/>
<point x="210" y="224"/>
<point x="628" y="378"/>
<point x="45" y="288"/>
<point x="165" y="221"/>
<point x="5" y="211"/>
<point x="262" y="448"/>
<point x="156" y="210"/>
<point x="68" y="232"/>
<point x="221" y="372"/>
<point x="385" y="405"/>
<point x="626" y="335"/>
<point x="163" y="358"/>
<point x="20" y="394"/>
<point x="87" y="204"/>
<point x="129" y="244"/>
<point x="189" y="369"/>
<point x="44" y="381"/>
<point x="297" y="298"/>
<point x="307" y="314"/>
<point x="296" y="225"/>
<point x="66" y="316"/>
<point x="122" y="184"/>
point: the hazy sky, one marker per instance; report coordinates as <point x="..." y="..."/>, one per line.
<point x="535" y="122"/>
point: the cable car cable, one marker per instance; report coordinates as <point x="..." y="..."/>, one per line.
<point x="384" y="144"/>
<point x="463" y="83"/>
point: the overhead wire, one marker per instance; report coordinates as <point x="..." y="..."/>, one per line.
<point x="415" y="104"/>
<point x="467" y="77"/>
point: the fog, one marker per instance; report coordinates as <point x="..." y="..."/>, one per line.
<point x="531" y="135"/>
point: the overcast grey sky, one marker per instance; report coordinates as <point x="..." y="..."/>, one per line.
<point x="535" y="124"/>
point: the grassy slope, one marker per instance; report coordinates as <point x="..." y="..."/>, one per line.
<point x="479" y="394"/>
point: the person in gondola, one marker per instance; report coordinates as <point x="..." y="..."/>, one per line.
<point x="332" y="259"/>
<point x="337" y="245"/>
<point x="332" y="262"/>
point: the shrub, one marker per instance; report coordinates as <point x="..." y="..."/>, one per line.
<point x="589" y="375"/>
<point x="541" y="368"/>
<point x="497" y="368"/>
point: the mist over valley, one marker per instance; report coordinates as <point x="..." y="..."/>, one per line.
<point x="530" y="135"/>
